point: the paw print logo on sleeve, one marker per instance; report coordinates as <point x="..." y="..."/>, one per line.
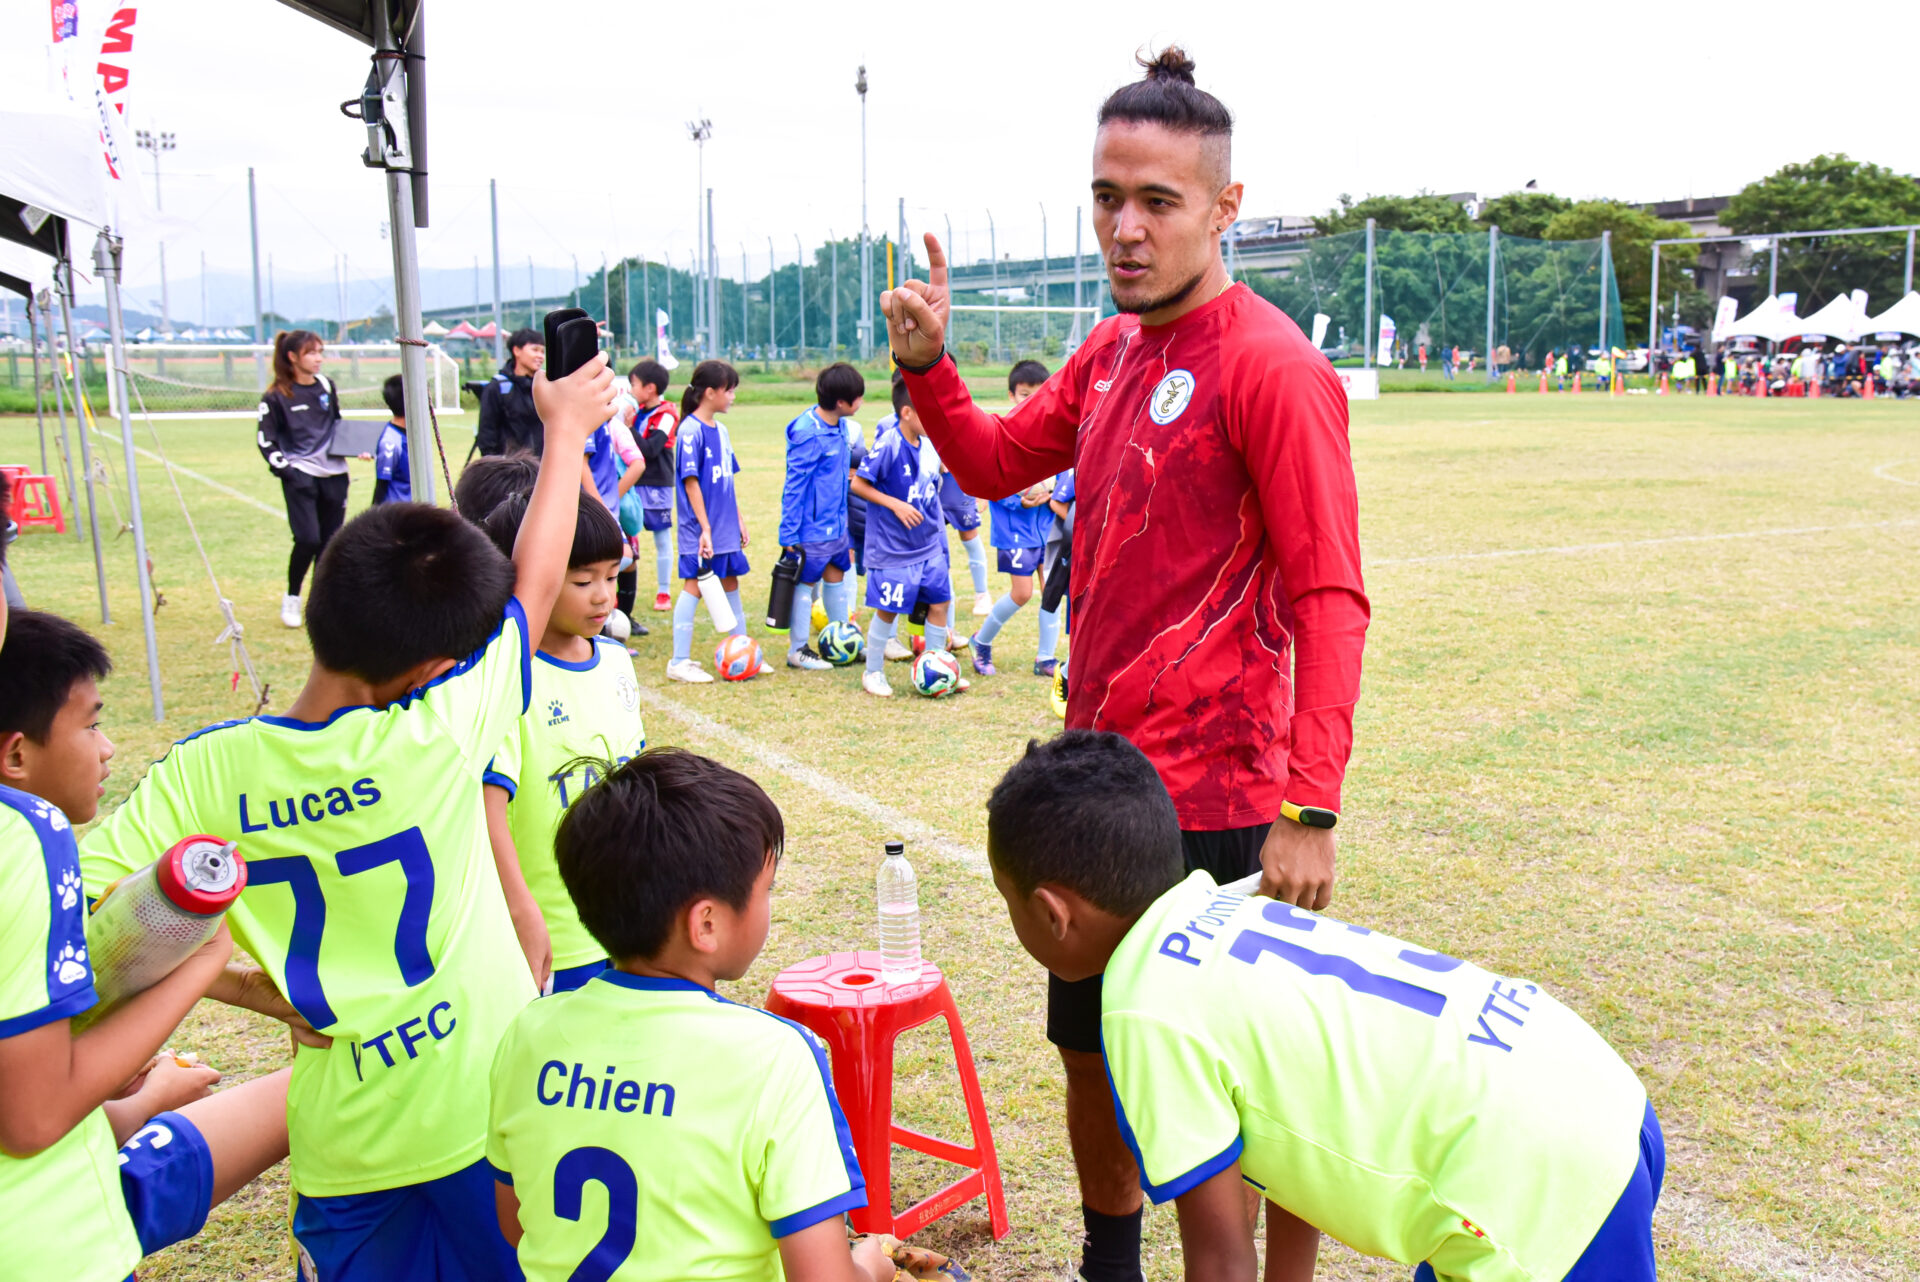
<point x="68" y="888"/>
<point x="70" y="965"/>
<point x="51" y="816"/>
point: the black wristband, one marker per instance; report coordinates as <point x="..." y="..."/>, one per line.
<point x="920" y="369"/>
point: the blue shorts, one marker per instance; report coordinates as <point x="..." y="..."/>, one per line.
<point x="568" y="978"/>
<point x="962" y="510"/>
<point x="1020" y="560"/>
<point x="166" y="1177"/>
<point x="444" y="1230"/>
<point x="897" y="589"/>
<point x="816" y="557"/>
<point x="1622" y="1251"/>
<point x="725" y="565"/>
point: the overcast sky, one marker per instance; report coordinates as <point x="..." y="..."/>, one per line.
<point x="578" y="107"/>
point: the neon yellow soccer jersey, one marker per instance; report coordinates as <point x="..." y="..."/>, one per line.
<point x="585" y="709"/>
<point x="653" y="1130"/>
<point x="1412" y="1105"/>
<point x="372" y="901"/>
<point x="70" y="1192"/>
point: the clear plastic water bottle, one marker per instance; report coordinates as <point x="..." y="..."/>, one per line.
<point x="899" y="895"/>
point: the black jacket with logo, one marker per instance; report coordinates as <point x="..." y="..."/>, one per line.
<point x="508" y="421"/>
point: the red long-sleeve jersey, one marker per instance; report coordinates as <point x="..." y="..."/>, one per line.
<point x="1217" y="536"/>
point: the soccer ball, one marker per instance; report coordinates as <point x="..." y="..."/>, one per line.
<point x="618" y="626"/>
<point x="819" y="615"/>
<point x="842" y="644"/>
<point x="936" y="673"/>
<point x="737" y="658"/>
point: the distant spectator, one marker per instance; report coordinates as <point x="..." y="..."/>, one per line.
<point x="508" y="421"/>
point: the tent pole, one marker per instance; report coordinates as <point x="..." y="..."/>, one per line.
<point x="39" y="404"/>
<point x="1653" y="304"/>
<point x="60" y="409"/>
<point x="398" y="164"/>
<point x="64" y="285"/>
<point x="106" y="257"/>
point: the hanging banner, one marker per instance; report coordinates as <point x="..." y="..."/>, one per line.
<point x="1320" y="322"/>
<point x="1383" y="350"/>
<point x="1723" y="318"/>
<point x="112" y="73"/>
<point x="662" y="346"/>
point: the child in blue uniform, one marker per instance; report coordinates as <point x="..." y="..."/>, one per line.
<point x="392" y="481"/>
<point x="1022" y="524"/>
<point x="813" y="506"/>
<point x="712" y="536"/>
<point x="905" y="553"/>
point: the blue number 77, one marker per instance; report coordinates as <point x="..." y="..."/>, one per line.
<point x="296" y="872"/>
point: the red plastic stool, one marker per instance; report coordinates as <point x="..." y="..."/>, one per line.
<point x="841" y="999"/>
<point x="35" y="501"/>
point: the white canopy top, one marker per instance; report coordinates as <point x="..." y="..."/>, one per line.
<point x="1841" y="318"/>
<point x="50" y="154"/>
<point x="1772" y="320"/>
<point x="29" y="265"/>
<point x="1901" y="318"/>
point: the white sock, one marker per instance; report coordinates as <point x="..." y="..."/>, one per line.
<point x="878" y="633"/>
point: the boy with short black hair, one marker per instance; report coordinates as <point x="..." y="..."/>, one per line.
<point x="1410" y="1104"/>
<point x="371" y="895"/>
<point x="509" y="418"/>
<point x="75" y="1208"/>
<point x="906" y="537"/>
<point x="392" y="481"/>
<point x="813" y="507"/>
<point x="585" y="704"/>
<point x="712" y="1125"/>
<point x="653" y="433"/>
<point x="486" y="482"/>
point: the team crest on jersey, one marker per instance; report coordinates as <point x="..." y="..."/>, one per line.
<point x="627" y="691"/>
<point x="556" y="713"/>
<point x="1170" y="397"/>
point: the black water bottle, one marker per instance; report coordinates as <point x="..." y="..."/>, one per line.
<point x="786" y="576"/>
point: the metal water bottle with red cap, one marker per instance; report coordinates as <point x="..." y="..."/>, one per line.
<point x="148" y="922"/>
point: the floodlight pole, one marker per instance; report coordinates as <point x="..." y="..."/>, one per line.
<point x="626" y="298"/>
<point x="1493" y="259"/>
<point x="1366" y="305"/>
<point x="1773" y="268"/>
<point x="713" y="286"/>
<point x="533" y="298"/>
<point x="1077" y="336"/>
<point x="800" y="271"/>
<point x="1045" y="296"/>
<point x="993" y="264"/>
<point x="833" y="295"/>
<point x="63" y="286"/>
<point x="606" y="301"/>
<point x="1907" y="286"/>
<point x="866" y="237"/>
<point x="106" y="258"/>
<point x="699" y="131"/>
<point x="773" y="280"/>
<point x="259" y="317"/>
<point x="746" y="331"/>
<point x="499" y="325"/>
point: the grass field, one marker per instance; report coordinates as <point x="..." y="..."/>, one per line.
<point x="1639" y="722"/>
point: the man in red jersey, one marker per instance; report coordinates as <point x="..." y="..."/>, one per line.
<point x="1217" y="538"/>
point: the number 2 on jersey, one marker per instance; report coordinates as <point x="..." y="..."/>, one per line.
<point x="296" y="872"/>
<point x="1251" y="945"/>
<point x="575" y="1171"/>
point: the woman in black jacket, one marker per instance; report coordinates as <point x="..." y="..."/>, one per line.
<point x="297" y="418"/>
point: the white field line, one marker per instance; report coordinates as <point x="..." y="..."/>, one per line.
<point x="1580" y="549"/>
<point x="1885" y="472"/>
<point x="227" y="490"/>
<point x="922" y="834"/>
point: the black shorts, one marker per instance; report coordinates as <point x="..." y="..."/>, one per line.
<point x="1073" y="1009"/>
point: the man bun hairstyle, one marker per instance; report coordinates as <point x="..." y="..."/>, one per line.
<point x="1086" y="811"/>
<point x="1166" y="96"/>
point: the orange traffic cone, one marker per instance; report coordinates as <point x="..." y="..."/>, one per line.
<point x="1762" y="380"/>
<point x="1813" y="389"/>
<point x="1576" y="385"/>
<point x="1866" y="387"/>
<point x="1510" y="384"/>
<point x="1543" y="382"/>
<point x="1663" y="386"/>
<point x="1713" y="385"/>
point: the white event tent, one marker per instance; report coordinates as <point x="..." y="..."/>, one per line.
<point x="1901" y="318"/>
<point x="1841" y="318"/>
<point x="1773" y="320"/>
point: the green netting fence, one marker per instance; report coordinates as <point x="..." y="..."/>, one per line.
<point x="1547" y="295"/>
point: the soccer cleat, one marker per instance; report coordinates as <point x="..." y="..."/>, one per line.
<point x="290" y="610"/>
<point x="639" y="629"/>
<point x="962" y="685"/>
<point x="983" y="659"/>
<point x="1058" y="695"/>
<point x="1043" y="667"/>
<point x="897" y="651"/>
<point x="876" y="683"/>
<point x="807" y="661"/>
<point x="689" y="671"/>
<point x="958" y="640"/>
<point x="662" y="602"/>
<point x="764" y="670"/>
<point x="918" y="1264"/>
<point x="983" y="605"/>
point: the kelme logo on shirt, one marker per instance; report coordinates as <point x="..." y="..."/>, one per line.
<point x="1170" y="397"/>
<point x="556" y="713"/>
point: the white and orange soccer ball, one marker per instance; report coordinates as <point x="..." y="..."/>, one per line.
<point x="737" y="658"/>
<point x="936" y="673"/>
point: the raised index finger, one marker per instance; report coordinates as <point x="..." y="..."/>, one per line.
<point x="936" y="263"/>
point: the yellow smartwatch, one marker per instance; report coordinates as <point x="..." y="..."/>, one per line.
<point x="1311" y="816"/>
